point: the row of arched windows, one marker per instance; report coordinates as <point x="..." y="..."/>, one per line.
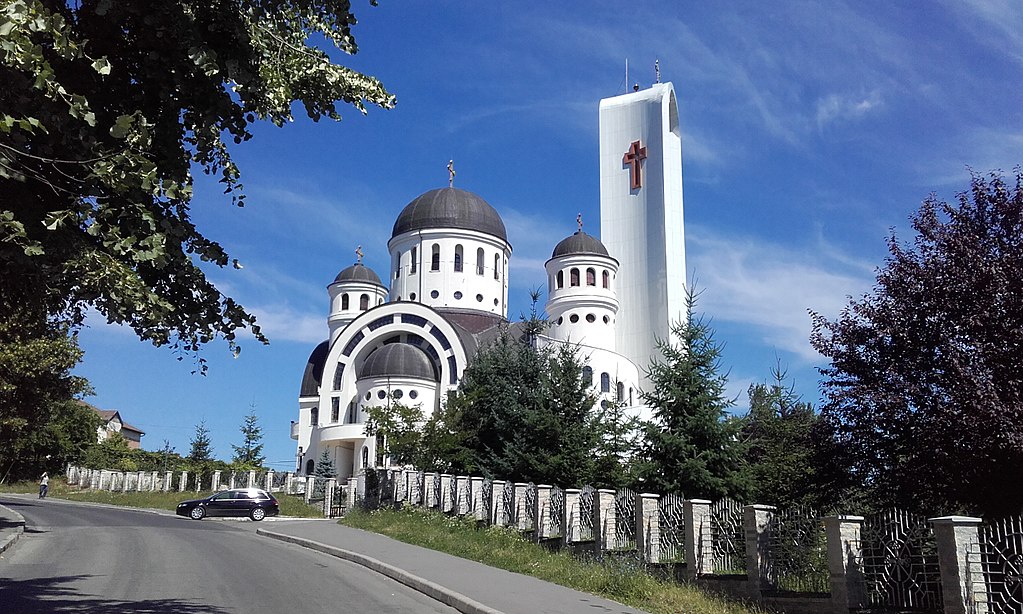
<point x="605" y="384"/>
<point x="591" y="278"/>
<point x="363" y="302"/>
<point x="458" y="261"/>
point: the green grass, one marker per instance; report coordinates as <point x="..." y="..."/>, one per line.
<point x="59" y="489"/>
<point x="620" y="579"/>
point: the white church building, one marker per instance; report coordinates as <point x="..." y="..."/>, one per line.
<point x="411" y="335"/>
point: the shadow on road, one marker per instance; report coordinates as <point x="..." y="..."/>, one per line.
<point x="53" y="594"/>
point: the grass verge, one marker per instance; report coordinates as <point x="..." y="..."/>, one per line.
<point x="622" y="580"/>
<point x="290" y="505"/>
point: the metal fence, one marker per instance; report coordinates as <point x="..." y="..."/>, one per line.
<point x="900" y="563"/>
<point x="556" y="517"/>
<point x="670" y="510"/>
<point x="586" y="501"/>
<point x="796" y="557"/>
<point x="728" y="538"/>
<point x="625" y="520"/>
<point x="996" y="566"/>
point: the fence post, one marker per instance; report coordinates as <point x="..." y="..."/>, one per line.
<point x="252" y="479"/>
<point x="182" y="480"/>
<point x="648" y="527"/>
<point x="269" y="487"/>
<point x="476" y="486"/>
<point x="328" y="496"/>
<point x="215" y="484"/>
<point x="542" y="513"/>
<point x="603" y="520"/>
<point x="699" y="543"/>
<point x="463" y="496"/>
<point x="498" y="515"/>
<point x="168" y="477"/>
<point x="845" y="556"/>
<point x="520" y="515"/>
<point x="310" y="483"/>
<point x="756" y="519"/>
<point x="445" y="493"/>
<point x="570" y="527"/>
<point x="957" y="538"/>
<point x="152" y="485"/>
<point x="353" y="491"/>
<point x="138" y="484"/>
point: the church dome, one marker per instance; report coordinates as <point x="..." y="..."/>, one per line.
<point x="398" y="360"/>
<point x="579" y="243"/>
<point x="358" y="272"/>
<point x="450" y="208"/>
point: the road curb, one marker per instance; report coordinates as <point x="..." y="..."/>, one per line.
<point x="431" y="589"/>
<point x="9" y="537"/>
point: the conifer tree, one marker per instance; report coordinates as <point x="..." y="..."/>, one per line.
<point x="201" y="450"/>
<point x="324" y="466"/>
<point x="250" y="453"/>
<point x="691" y="445"/>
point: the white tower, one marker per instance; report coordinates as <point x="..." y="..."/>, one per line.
<point x="641" y="214"/>
<point x="582" y="305"/>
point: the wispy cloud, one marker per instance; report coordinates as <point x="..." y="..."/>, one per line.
<point x="834" y="107"/>
<point x="283" y="323"/>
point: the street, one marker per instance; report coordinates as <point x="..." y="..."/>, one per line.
<point x="83" y="558"/>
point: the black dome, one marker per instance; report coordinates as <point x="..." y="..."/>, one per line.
<point x="314" y="371"/>
<point x="579" y="243"/>
<point x="450" y="208"/>
<point x="398" y="360"/>
<point x="358" y="272"/>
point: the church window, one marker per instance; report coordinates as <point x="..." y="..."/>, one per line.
<point x="368" y="396"/>
<point x="497" y="266"/>
<point x="344" y="301"/>
<point x="314" y="416"/>
<point x="381" y="394"/>
<point x="397" y="265"/>
<point x="479" y="261"/>
<point x="435" y="258"/>
<point x="591" y="277"/>
<point x="398" y="394"/>
<point x="573" y="277"/>
<point x="630" y="396"/>
<point x="573" y="318"/>
<point x="479" y="298"/>
<point x="365" y="456"/>
<point x="412" y="296"/>
<point x="412" y="264"/>
<point x="591" y="318"/>
<point x="335" y="409"/>
<point x="561" y="321"/>
<point x="412" y="394"/>
<point x="495" y="302"/>
<point x="607" y="280"/>
<point x="605" y="382"/>
<point x="364" y="302"/>
<point x="380" y="301"/>
<point x="458" y="295"/>
<point x="621" y="391"/>
<point x="603" y="404"/>
<point x="310" y="465"/>
<point x="458" y="259"/>
<point x="588" y="376"/>
<point x="607" y="320"/>
<point x="434" y="294"/>
<point x="339" y="373"/>
<point x="561" y="279"/>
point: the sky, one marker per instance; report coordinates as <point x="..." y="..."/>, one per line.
<point x="811" y="131"/>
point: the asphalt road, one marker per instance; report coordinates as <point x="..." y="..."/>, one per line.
<point x="81" y="558"/>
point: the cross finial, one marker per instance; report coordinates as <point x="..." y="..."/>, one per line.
<point x="657" y="70"/>
<point x="579" y="221"/>
<point x="451" y="173"/>
<point x="358" y="254"/>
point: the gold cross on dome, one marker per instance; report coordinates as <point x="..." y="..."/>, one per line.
<point x="579" y="221"/>
<point x="451" y="173"/>
<point x="358" y="254"/>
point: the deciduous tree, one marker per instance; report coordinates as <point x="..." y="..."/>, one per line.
<point x="924" y="391"/>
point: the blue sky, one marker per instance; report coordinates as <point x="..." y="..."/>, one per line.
<point x="810" y="129"/>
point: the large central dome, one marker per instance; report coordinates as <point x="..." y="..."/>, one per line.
<point x="449" y="208"/>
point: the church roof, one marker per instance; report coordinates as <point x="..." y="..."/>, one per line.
<point x="358" y="272"/>
<point x="579" y="243"/>
<point x="398" y="360"/>
<point x="450" y="208"/>
<point x="314" y="371"/>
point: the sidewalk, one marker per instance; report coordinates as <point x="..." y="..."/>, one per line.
<point x="12" y="525"/>
<point x="467" y="586"/>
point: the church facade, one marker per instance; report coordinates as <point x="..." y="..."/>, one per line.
<point x="411" y="337"/>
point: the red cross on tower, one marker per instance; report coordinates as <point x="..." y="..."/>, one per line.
<point x="634" y="159"/>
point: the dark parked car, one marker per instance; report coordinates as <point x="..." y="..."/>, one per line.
<point x="252" y="502"/>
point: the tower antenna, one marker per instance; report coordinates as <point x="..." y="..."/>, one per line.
<point x="657" y="70"/>
<point x="626" y="74"/>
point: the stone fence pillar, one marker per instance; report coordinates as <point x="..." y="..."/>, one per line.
<point x="445" y="493"/>
<point x="168" y="477"/>
<point x="463" y="496"/>
<point x="252" y="479"/>
<point x="648" y="527"/>
<point x="182" y="481"/>
<point x="570" y="527"/>
<point x="429" y="490"/>
<point x="520" y="514"/>
<point x="215" y="485"/>
<point x="698" y="539"/>
<point x="288" y="483"/>
<point x="845" y="563"/>
<point x="479" y="511"/>
<point x="138" y="483"/>
<point x="756" y="519"/>
<point x="498" y="513"/>
<point x="353" y="492"/>
<point x="152" y="483"/>
<point x="268" y="485"/>
<point x="958" y="539"/>
<point x="604" y="520"/>
<point x="328" y="496"/>
<point x="310" y="484"/>
<point x="542" y="513"/>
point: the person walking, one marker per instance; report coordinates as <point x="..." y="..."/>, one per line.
<point x="44" y="485"/>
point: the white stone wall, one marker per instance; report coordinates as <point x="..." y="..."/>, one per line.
<point x="583" y="313"/>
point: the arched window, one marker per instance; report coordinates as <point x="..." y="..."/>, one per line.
<point x="605" y="382"/>
<point x="621" y="391"/>
<point x="497" y="266"/>
<point x="630" y="396"/>
<point x="335" y="409"/>
<point x="561" y="279"/>
<point x="588" y="376"/>
<point x="479" y="261"/>
<point x="310" y="465"/>
<point x="365" y="456"/>
<point x="364" y="302"/>
<point x="412" y="265"/>
<point x="591" y="277"/>
<point x="435" y="258"/>
<point x="573" y="277"/>
<point x="344" y="302"/>
<point x="607" y="279"/>
<point x="314" y="416"/>
<point x="458" y="259"/>
<point x="397" y="265"/>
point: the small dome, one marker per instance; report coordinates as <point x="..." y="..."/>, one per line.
<point x="398" y="360"/>
<point x="579" y="243"/>
<point x="450" y="208"/>
<point x="314" y="371"/>
<point x="358" y="272"/>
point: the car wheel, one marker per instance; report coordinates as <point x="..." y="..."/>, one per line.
<point x="257" y="514"/>
<point x="197" y="512"/>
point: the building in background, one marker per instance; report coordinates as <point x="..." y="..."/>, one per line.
<point x="113" y="424"/>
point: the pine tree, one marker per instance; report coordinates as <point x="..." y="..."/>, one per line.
<point x="691" y="446"/>
<point x="201" y="448"/>
<point x="250" y="453"/>
<point x="324" y="466"/>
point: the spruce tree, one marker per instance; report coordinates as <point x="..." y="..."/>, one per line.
<point x="691" y="445"/>
<point x="250" y="453"/>
<point x="324" y="466"/>
<point x="201" y="450"/>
